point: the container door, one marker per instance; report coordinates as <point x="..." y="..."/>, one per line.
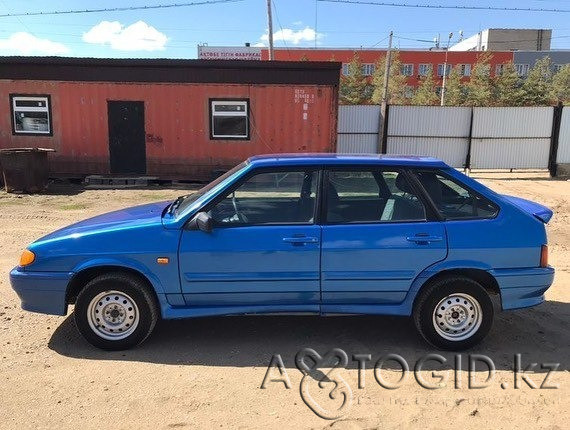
<point x="126" y="137"/>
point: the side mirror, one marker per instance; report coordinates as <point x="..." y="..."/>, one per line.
<point x="201" y="221"/>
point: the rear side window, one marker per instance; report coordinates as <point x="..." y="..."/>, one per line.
<point x="453" y="199"/>
<point x="367" y="196"/>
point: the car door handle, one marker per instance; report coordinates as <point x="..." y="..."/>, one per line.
<point x="300" y="240"/>
<point x="424" y="238"/>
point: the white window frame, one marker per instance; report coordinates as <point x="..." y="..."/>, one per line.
<point x="424" y="69"/>
<point x="242" y="113"/>
<point x="14" y="98"/>
<point x="345" y="69"/>
<point x="407" y="69"/>
<point x="499" y="69"/>
<point x="368" y="69"/>
<point x="522" y="69"/>
<point x="465" y="69"/>
<point x="440" y="70"/>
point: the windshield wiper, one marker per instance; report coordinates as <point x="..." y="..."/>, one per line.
<point x="174" y="205"/>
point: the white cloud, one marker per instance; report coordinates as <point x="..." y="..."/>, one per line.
<point x="136" y="37"/>
<point x="23" y="43"/>
<point x="295" y="37"/>
<point x="259" y="45"/>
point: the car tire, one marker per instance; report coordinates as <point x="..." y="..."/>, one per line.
<point x="116" y="311"/>
<point x="453" y="313"/>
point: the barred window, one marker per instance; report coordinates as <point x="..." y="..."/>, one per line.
<point x="31" y="114"/>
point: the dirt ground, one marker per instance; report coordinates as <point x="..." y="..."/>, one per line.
<point x="207" y="373"/>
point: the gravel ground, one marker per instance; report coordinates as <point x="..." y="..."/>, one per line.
<point x="207" y="373"/>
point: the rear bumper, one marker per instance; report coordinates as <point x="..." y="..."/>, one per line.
<point x="521" y="288"/>
<point x="42" y="292"/>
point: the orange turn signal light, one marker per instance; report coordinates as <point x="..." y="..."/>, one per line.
<point x="27" y="258"/>
<point x="544" y="256"/>
<point x="163" y="260"/>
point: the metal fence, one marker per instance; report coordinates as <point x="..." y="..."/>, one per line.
<point x="478" y="137"/>
<point x="358" y="129"/>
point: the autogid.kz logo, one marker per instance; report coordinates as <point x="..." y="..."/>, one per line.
<point x="324" y="387"/>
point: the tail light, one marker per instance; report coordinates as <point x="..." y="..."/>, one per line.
<point x="544" y="256"/>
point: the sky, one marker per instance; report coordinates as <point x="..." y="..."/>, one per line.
<point x="176" y="32"/>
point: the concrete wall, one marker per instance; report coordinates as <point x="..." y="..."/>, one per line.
<point x="531" y="57"/>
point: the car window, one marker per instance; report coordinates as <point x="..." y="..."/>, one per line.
<point x="371" y="196"/>
<point x="269" y="198"/>
<point x="453" y="199"/>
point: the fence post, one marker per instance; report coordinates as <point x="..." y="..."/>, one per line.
<point x="383" y="132"/>
<point x="554" y="138"/>
<point x="469" y="144"/>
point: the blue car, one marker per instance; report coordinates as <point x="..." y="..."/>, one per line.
<point x="312" y="234"/>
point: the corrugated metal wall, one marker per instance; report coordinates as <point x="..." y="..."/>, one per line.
<point x="441" y="132"/>
<point x="563" y="155"/>
<point x="511" y="137"/>
<point x="358" y="129"/>
<point x="283" y="119"/>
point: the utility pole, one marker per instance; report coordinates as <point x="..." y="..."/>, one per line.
<point x="445" y="71"/>
<point x="270" y="25"/>
<point x="385" y="95"/>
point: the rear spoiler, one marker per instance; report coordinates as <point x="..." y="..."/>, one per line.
<point x="540" y="212"/>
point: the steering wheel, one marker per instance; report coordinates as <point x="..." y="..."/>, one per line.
<point x="239" y="214"/>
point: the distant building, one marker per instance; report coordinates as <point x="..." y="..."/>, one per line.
<point x="506" y="39"/>
<point x="524" y="60"/>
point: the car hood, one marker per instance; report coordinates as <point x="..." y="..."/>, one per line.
<point x="537" y="210"/>
<point x="132" y="217"/>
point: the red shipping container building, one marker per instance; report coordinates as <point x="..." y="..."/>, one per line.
<point x="181" y="119"/>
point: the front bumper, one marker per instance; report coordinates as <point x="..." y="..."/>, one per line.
<point x="42" y="292"/>
<point x="521" y="288"/>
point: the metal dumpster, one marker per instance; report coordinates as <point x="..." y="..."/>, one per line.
<point x="24" y="170"/>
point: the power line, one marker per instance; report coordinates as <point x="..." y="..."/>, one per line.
<point x="119" y="9"/>
<point x="437" y="6"/>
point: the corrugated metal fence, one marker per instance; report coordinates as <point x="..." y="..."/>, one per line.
<point x="441" y="132"/>
<point x="358" y="129"/>
<point x="563" y="154"/>
<point x="479" y="137"/>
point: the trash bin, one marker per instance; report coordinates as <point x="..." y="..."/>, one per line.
<point x="24" y="169"/>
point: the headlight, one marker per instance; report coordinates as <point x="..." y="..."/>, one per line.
<point x="27" y="258"/>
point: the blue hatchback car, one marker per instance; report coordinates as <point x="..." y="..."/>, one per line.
<point x="311" y="234"/>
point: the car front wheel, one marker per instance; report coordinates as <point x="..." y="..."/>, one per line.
<point x="115" y="311"/>
<point x="454" y="313"/>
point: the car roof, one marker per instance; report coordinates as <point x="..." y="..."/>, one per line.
<point x="344" y="159"/>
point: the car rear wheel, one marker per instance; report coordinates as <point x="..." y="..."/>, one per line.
<point x="454" y="313"/>
<point x="115" y="311"/>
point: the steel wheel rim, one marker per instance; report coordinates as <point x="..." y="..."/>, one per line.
<point x="457" y="317"/>
<point x="113" y="315"/>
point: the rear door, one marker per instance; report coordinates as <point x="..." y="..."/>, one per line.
<point x="377" y="237"/>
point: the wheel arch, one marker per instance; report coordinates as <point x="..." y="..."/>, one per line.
<point x="85" y="275"/>
<point x="483" y="277"/>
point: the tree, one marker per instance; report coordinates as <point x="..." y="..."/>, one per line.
<point x="537" y="85"/>
<point x="560" y="91"/>
<point x="396" y="81"/>
<point x="454" y="91"/>
<point x="508" y="91"/>
<point x="353" y="87"/>
<point x="480" y="86"/>
<point x="425" y="93"/>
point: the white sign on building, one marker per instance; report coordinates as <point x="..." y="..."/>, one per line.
<point x="229" y="53"/>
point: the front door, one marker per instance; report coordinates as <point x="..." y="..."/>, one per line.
<point x="126" y="137"/>
<point x="263" y="254"/>
<point x="376" y="239"/>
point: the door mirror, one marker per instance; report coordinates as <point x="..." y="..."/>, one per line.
<point x="201" y="221"/>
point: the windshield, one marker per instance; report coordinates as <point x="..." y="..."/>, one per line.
<point x="186" y="201"/>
